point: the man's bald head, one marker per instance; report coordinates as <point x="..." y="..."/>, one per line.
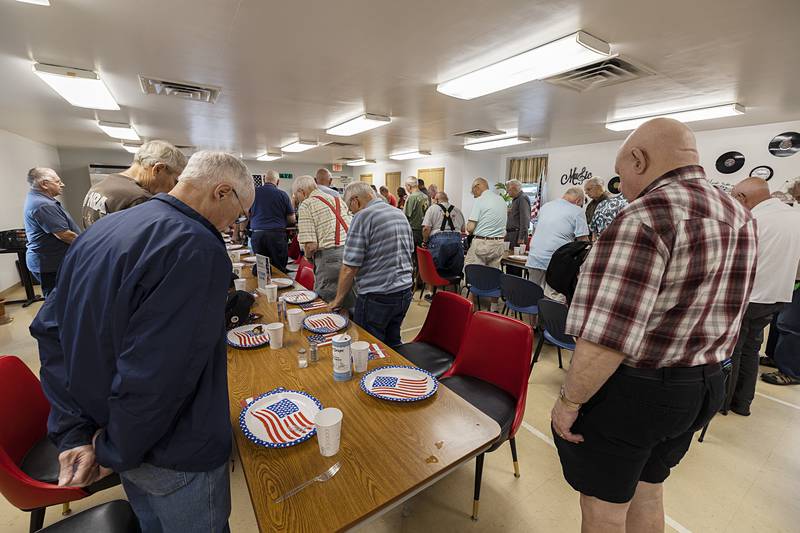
<point x="652" y="150"/>
<point x="751" y="192"/>
<point x="323" y="177"/>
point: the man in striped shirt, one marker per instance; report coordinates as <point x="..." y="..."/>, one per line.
<point x="657" y="308"/>
<point x="377" y="257"/>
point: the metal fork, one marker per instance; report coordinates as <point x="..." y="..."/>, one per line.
<point x="323" y="477"/>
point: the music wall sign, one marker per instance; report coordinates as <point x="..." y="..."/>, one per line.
<point x="574" y="177"/>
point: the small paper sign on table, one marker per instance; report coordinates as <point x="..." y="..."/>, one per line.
<point x="263" y="271"/>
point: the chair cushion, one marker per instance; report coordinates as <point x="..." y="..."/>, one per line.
<point x="41" y="464"/>
<point x="427" y="356"/>
<point x="493" y="401"/>
<point x="485" y="293"/>
<point x="112" y="517"/>
<point x="529" y="310"/>
<point x="553" y="340"/>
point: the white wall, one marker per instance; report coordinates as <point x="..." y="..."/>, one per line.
<point x="17" y="156"/>
<point x="295" y="169"/>
<point x="751" y="141"/>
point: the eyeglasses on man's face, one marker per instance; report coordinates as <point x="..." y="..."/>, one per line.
<point x="243" y="215"/>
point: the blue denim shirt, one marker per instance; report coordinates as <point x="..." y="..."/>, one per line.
<point x="132" y="340"/>
<point x="44" y="216"/>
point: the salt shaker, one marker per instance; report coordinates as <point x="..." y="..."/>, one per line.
<point x="302" y="360"/>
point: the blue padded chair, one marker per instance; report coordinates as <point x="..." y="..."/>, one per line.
<point x="552" y="322"/>
<point x="520" y="295"/>
<point x="483" y="282"/>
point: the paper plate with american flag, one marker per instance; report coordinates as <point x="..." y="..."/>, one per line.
<point x="399" y="383"/>
<point x="248" y="336"/>
<point x="325" y="322"/>
<point x="280" y="418"/>
<point x="300" y="297"/>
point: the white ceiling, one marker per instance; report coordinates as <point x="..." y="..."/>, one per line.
<point x="291" y="69"/>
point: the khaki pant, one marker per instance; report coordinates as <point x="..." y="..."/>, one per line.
<point x="539" y="276"/>
<point x="485" y="252"/>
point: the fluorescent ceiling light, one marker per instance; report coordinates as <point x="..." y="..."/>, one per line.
<point x="359" y="124"/>
<point x="119" y="130"/>
<point x="81" y="88"/>
<point x="416" y="154"/>
<point x="269" y="156"/>
<point x="561" y="55"/>
<point x="36" y="2"/>
<point x="692" y="115"/>
<point x="497" y="143"/>
<point x="360" y="162"/>
<point x="300" y="146"/>
<point x="131" y="147"/>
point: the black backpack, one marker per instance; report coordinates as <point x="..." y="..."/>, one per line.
<point x="565" y="265"/>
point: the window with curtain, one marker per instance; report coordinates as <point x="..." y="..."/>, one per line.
<point x="527" y="169"/>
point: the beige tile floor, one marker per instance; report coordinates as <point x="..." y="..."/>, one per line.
<point x="744" y="478"/>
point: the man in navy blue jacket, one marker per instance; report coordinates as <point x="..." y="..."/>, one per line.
<point x="133" y="355"/>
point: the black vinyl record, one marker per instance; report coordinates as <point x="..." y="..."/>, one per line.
<point x="730" y="162"/>
<point x="764" y="172"/>
<point x="613" y="185"/>
<point x="785" y="144"/>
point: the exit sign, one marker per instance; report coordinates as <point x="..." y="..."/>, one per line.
<point x="285" y="175"/>
<point x="336" y="167"/>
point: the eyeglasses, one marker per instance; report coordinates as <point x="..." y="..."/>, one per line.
<point x="243" y="217"/>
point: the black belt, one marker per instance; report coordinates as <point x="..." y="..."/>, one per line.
<point x="489" y="238"/>
<point x="674" y="373"/>
<point x="270" y="230"/>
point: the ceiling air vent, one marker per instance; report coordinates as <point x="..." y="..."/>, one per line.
<point x="349" y="158"/>
<point x="612" y="71"/>
<point x="477" y="134"/>
<point x="179" y="89"/>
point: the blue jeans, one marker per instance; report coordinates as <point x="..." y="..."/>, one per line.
<point x="382" y="314"/>
<point x="447" y="252"/>
<point x="167" y="501"/>
<point x="787" y="351"/>
<point x="47" y="280"/>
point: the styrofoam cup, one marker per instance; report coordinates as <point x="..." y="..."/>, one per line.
<point x="329" y="430"/>
<point x="275" y="331"/>
<point x="359" y="350"/>
<point x="295" y="318"/>
<point x="271" y="291"/>
<point x="240" y="284"/>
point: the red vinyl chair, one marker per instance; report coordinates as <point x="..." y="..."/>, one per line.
<point x="436" y="345"/>
<point x="304" y="262"/>
<point x="494" y="381"/>
<point x="305" y="276"/>
<point x="429" y="274"/>
<point x="28" y="460"/>
<point x="294" y="248"/>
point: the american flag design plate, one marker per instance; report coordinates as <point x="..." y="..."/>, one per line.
<point x="233" y="246"/>
<point x="399" y="383"/>
<point x="300" y="297"/>
<point x="280" y="418"/>
<point x="248" y="336"/>
<point x="325" y="323"/>
<point x="282" y="283"/>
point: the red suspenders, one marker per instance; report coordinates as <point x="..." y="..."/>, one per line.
<point x="339" y="220"/>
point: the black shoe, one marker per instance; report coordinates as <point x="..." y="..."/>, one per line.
<point x="741" y="411"/>
<point x="767" y="361"/>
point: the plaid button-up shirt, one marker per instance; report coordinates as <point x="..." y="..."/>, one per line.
<point x="668" y="281"/>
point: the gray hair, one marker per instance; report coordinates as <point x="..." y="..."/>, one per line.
<point x="303" y="183"/>
<point x="575" y="192"/>
<point x="593" y="182"/>
<point x="515" y="183"/>
<point x="153" y="152"/>
<point x="323" y="171"/>
<point x="412" y="182"/>
<point x="208" y="168"/>
<point x="357" y="188"/>
<point x="37" y="175"/>
<point x="271" y="176"/>
<point x="443" y="195"/>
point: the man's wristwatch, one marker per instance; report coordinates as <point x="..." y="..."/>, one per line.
<point x="570" y="404"/>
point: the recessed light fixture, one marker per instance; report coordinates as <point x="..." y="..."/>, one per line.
<point x="360" y="162"/>
<point x="416" y="154"/>
<point x="36" y="2"/>
<point x="269" y="156"/>
<point x="570" y="52"/>
<point x="493" y="142"/>
<point x="360" y="124"/>
<point x="131" y="147"/>
<point x="691" y="115"/>
<point x="119" y="130"/>
<point x="79" y="87"/>
<point x="300" y="146"/>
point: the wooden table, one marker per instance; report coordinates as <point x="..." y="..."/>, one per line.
<point x="508" y="261"/>
<point x="389" y="451"/>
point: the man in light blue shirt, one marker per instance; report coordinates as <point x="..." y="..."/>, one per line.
<point x="487" y="225"/>
<point x="560" y="222"/>
<point x="377" y="256"/>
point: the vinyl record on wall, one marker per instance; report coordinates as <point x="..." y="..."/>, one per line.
<point x="764" y="172"/>
<point x="613" y="185"/>
<point x="785" y="144"/>
<point x="730" y="162"/>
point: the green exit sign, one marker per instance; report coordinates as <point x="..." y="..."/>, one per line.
<point x="285" y="175"/>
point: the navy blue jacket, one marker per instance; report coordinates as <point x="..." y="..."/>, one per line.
<point x="131" y="341"/>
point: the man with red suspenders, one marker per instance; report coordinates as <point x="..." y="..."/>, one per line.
<point x="322" y="224"/>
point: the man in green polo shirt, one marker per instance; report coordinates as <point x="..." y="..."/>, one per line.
<point x="487" y="224"/>
<point x="416" y="205"/>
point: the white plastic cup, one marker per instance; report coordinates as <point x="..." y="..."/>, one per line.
<point x="360" y="354"/>
<point x="295" y="318"/>
<point x="329" y="430"/>
<point x="275" y="331"/>
<point x="522" y="249"/>
<point x="240" y="284"/>
<point x="507" y="244"/>
<point x="271" y="291"/>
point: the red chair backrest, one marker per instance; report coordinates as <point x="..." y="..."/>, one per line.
<point x="294" y="248"/>
<point x="23" y="412"/>
<point x="305" y="277"/>
<point x="497" y="349"/>
<point x="427" y="268"/>
<point x="447" y="322"/>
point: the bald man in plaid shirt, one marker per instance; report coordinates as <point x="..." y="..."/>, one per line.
<point x="657" y="308"/>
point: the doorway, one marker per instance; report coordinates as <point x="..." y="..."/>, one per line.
<point x="392" y="181"/>
<point x="432" y="176"/>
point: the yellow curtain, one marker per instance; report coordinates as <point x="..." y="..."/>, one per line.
<point x="527" y="169"/>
